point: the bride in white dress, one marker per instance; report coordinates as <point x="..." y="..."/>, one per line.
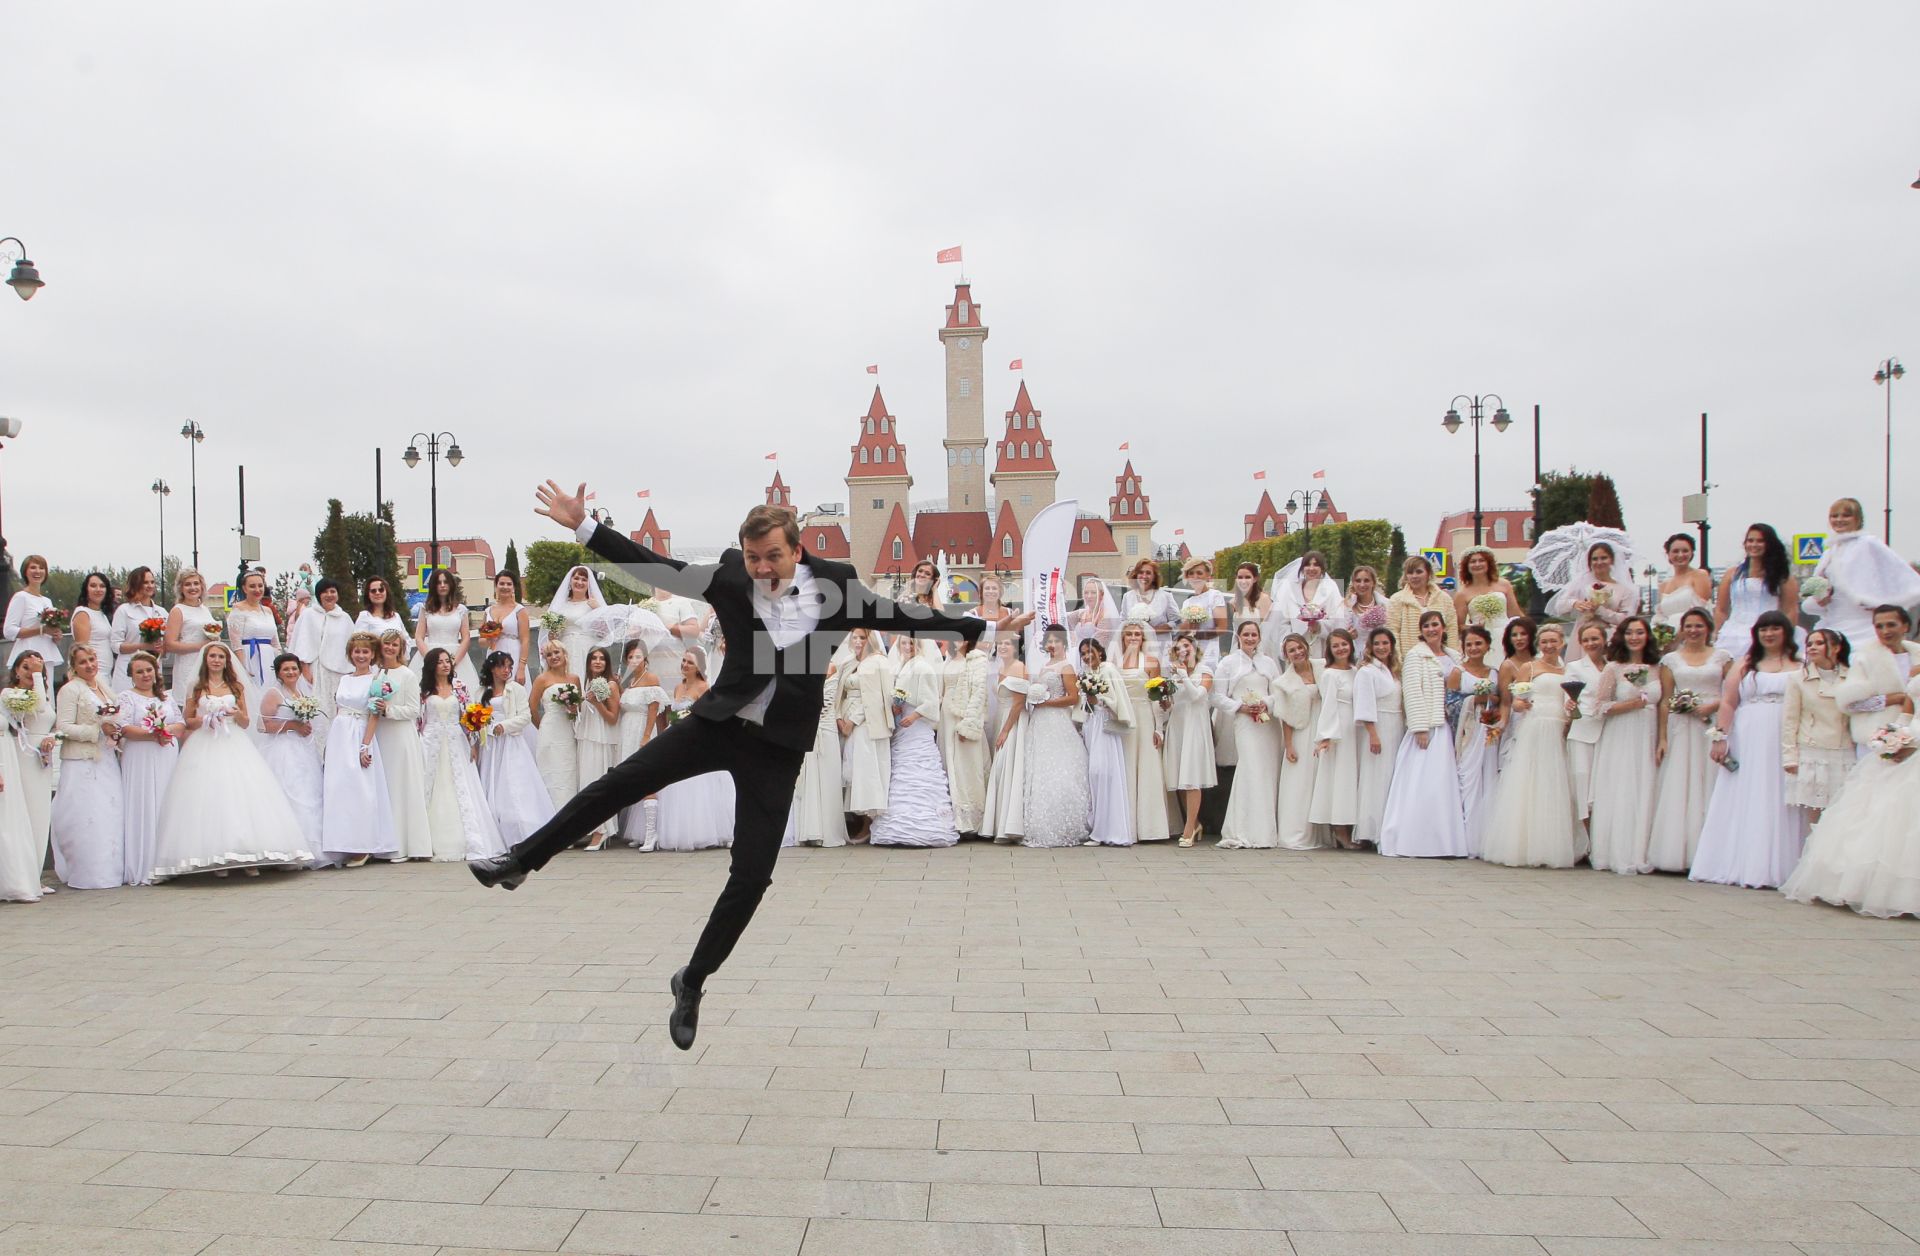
<point x="379" y="615"/>
<point x="151" y="727"/>
<point x="1685" y="589"/>
<point x="509" y="774"/>
<point x="1056" y="799"/>
<point x="577" y="598"/>
<point x="20" y="850"/>
<point x="1243" y="688"/>
<point x="1861" y="573"/>
<point x="919" y="807"/>
<point x="190" y="625"/>
<point x="1306" y="602"/>
<point x="1104" y="715"/>
<point x="817" y="817"/>
<point x="1753" y="832"/>
<point x="1763" y="582"/>
<point x="1003" y="815"/>
<point x="641" y="700"/>
<point x="697" y="813"/>
<point x="1486" y="598"/>
<point x="1533" y="822"/>
<point x="224" y="809"/>
<point x="396" y="700"/>
<point x="555" y="748"/>
<point x="459" y="821"/>
<point x="126" y="636"/>
<point x="89" y="837"/>
<point x="444" y="624"/>
<point x="513" y="638"/>
<point x="1424" y="817"/>
<point x="255" y="638"/>
<point x="1627" y="757"/>
<point x="357" y="816"/>
<point x="293" y="744"/>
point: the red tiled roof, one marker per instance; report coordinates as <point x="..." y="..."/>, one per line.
<point x="1518" y="521"/>
<point x="886" y="456"/>
<point x="1023" y="429"/>
<point x="896" y="531"/>
<point x="964" y="312"/>
<point x="826" y="540"/>
<point x="652" y="535"/>
<point x="1256" y="522"/>
<point x="778" y="494"/>
<point x="965" y="535"/>
<point x="1135" y="497"/>
<point x="1099" y="537"/>
<point x="1005" y="525"/>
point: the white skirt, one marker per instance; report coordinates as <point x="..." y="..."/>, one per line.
<point x="919" y="811"/>
<point x="511" y="780"/>
<point x="1865" y="852"/>
<point x="357" y="817"/>
<point x="1822" y="772"/>
<point x="294" y="761"/>
<point x="226" y="810"/>
<point x="1004" y="817"/>
<point x="696" y="814"/>
<point x="146" y="767"/>
<point x="89" y="836"/>
<point x="1423" y="816"/>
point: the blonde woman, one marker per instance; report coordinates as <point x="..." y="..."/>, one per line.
<point x="357" y="816"/>
<point x="1336" y="773"/>
<point x="1296" y="709"/>
<point x="1205" y="612"/>
<point x="1419" y="593"/>
<point x="397" y="703"/>
<point x="1477" y="741"/>
<point x="89" y="835"/>
<point x="1861" y="574"/>
<point x="1187" y="761"/>
<point x="1366" y="607"/>
<point x="1145" y="736"/>
<point x="554" y="747"/>
<point x="1147" y="601"/>
<point x="1097" y="619"/>
<point x="190" y="625"/>
<point x="866" y="721"/>
<point x="1423" y="816"/>
<point x="597" y="732"/>
<point x="1379" y="724"/>
<point x="962" y="733"/>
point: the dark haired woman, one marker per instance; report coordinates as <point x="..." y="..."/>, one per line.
<point x="1597" y="592"/>
<point x="292" y="745"/>
<point x="1477" y="739"/>
<point x="1683" y="590"/>
<point x="151" y="727"/>
<point x="1762" y="582"/>
<point x="1753" y="834"/>
<point x="1380" y="722"/>
<point x="1056" y="802"/>
<point x="319" y="639"/>
<point x="507" y="618"/>
<point x="1306" y="603"/>
<point x="1816" y="740"/>
<point x="458" y="817"/>
<point x="1423" y="816"/>
<point x="1003" y="815"/>
<point x="597" y="731"/>
<point x="380" y="613"/>
<point x="1696" y="671"/>
<point x="39" y="750"/>
<point x="509" y="772"/>
<point x="443" y="625"/>
<point x="1627" y="757"/>
<point x="92" y="619"/>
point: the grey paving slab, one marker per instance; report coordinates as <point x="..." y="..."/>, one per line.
<point x="1144" y="1052"/>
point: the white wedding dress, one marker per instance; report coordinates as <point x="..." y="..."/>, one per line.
<point x="1253" y="803"/>
<point x="556" y="749"/>
<point x="919" y="808"/>
<point x="697" y="813"/>
<point x="443" y="633"/>
<point x="20" y="850"/>
<point x="146" y="768"/>
<point x="224" y="808"/>
<point x="1753" y="834"/>
<point x="1109" y="795"/>
<point x="358" y="814"/>
<point x="1626" y="780"/>
<point x="458" y="818"/>
<point x="1865" y="852"/>
<point x="293" y="758"/>
<point x="1056" y="800"/>
<point x="509" y="776"/>
<point x="1003" y="816"/>
<point x="1533" y="822"/>
<point x="1688" y="773"/>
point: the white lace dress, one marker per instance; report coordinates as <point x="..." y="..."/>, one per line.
<point x="919" y="808"/>
<point x="255" y="639"/>
<point x="1003" y="816"/>
<point x="293" y="757"/>
<point x="697" y="813"/>
<point x="556" y="749"/>
<point x="1753" y="834"/>
<point x="1533" y="823"/>
<point x="510" y="777"/>
<point x="224" y="808"/>
<point x="357" y="817"/>
<point x="1625" y="777"/>
<point x="1056" y="801"/>
<point x="443" y="633"/>
<point x="1376" y="698"/>
<point x="1253" y="806"/>
<point x="1688" y="773"/>
<point x="1110" y="819"/>
<point x="458" y="817"/>
<point x="146" y="768"/>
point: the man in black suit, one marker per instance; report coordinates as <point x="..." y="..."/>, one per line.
<point x="783" y="612"/>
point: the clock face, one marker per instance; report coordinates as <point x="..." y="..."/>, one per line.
<point x="965" y="342"/>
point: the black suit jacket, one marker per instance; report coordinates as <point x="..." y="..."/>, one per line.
<point x="799" y="672"/>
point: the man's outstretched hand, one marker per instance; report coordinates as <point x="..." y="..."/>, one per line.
<point x="567" y="510"/>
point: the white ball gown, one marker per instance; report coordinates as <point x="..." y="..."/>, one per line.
<point x="225" y="809"/>
<point x="1376" y="699"/>
<point x="1110" y="819"/>
<point x="1865" y="852"/>
<point x="1688" y="773"/>
<point x="443" y="633"/>
<point x="401" y="760"/>
<point x="597" y="749"/>
<point x="358" y="812"/>
<point x="919" y="808"/>
<point x="1003" y="815"/>
<point x="1625" y="777"/>
<point x="293" y="757"/>
<point x="458" y="817"/>
<point x="556" y="749"/>
<point x="1146" y="772"/>
<point x="89" y="837"/>
<point x="1056" y="801"/>
<point x="1478" y="758"/>
<point x="509" y="774"/>
<point x="697" y="813"/>
<point x="1533" y="821"/>
<point x="1296" y="708"/>
<point x="1253" y="802"/>
<point x="818" y="798"/>
<point x="39" y="769"/>
<point x="1489" y="610"/>
<point x="1423" y="817"/>
<point x="868" y="754"/>
<point x="20" y="849"/>
<point x="1752" y="835"/>
<point x="146" y="768"/>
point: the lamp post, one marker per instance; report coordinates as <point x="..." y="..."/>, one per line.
<point x="24" y="280"/>
<point x="601" y="516"/>
<point x="161" y="490"/>
<point x="1301" y="499"/>
<point x="412" y="459"/>
<point x="1653" y="592"/>
<point x="1889" y="371"/>
<point x="1501" y="421"/>
<point x="194" y="434"/>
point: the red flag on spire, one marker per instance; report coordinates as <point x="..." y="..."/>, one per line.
<point x="1018" y="364"/>
<point x="874" y="369"/>
<point x="1179" y="531"/>
<point x="1319" y="475"/>
<point x="947" y="255"/>
<point x="772" y="457"/>
<point x="645" y="492"/>
<point x="1259" y="475"/>
<point x="1124" y="444"/>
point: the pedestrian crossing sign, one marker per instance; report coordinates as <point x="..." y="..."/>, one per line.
<point x="1436" y="559"/>
<point x="1808" y="547"/>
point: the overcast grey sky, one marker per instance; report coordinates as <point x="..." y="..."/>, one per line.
<point x="646" y="245"/>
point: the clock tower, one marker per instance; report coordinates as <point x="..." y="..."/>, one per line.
<point x="964" y="338"/>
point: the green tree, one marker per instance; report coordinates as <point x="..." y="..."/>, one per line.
<point x="1345" y="558"/>
<point x="1368" y="539"/>
<point x="1603" y="504"/>
<point x="548" y="563"/>
<point x="1396" y="560"/>
<point x="1169" y="573"/>
<point x="333" y="552"/>
<point x="369" y="551"/>
<point x="1563" y="498"/>
<point x="513" y="559"/>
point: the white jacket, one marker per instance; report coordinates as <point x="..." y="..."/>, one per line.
<point x="1873" y="674"/>
<point x="1423" y="688"/>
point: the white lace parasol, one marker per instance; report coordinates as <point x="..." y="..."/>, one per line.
<point x="1559" y="557"/>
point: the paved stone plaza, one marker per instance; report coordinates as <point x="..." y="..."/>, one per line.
<point x="969" y="1052"/>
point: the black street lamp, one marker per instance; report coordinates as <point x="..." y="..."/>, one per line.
<point x="194" y="434"/>
<point x="24" y="280"/>
<point x="1302" y="500"/>
<point x="412" y="459"/>
<point x="1501" y="421"/>
<point x="161" y="490"/>
<point x="1890" y="370"/>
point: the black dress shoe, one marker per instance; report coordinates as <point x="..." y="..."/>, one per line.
<point x="684" y="1021"/>
<point x="505" y="871"/>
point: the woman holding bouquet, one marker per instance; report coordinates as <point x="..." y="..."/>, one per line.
<point x="641" y="700"/>
<point x="509" y="772"/>
<point x="357" y="815"/>
<point x="1857" y="573"/>
<point x="597" y="729"/>
<point x="1150" y="604"/>
<point x="1379" y="724"/>
<point x="1336" y="772"/>
<point x="29" y="625"/>
<point x="1296" y="713"/>
<point x="1627" y="758"/>
<point x="556" y="700"/>
<point x="1484" y="597"/>
<point x="1477" y="742"/>
<point x="1517" y="644"/>
<point x="1762" y="582"/>
<point x="1597" y="593"/>
<point x="865" y="717"/>
<point x="919" y="807"/>
<point x="150" y="731"/>
<point x="1696" y="670"/>
<point x="1419" y="593"/>
<point x="1423" y="817"/>
<point x="380" y="614"/>
<point x="458" y="818"/>
<point x="224" y="809"/>
<point x="92" y="620"/>
<point x="1366" y="609"/>
<point x="565" y="620"/>
<point x="1003" y="816"/>
<point x="190" y="625"/>
<point x="1306" y="602"/>
<point x="396" y="700"/>
<point x="1683" y="590"/>
<point x="138" y="625"/>
<point x="1056" y="802"/>
<point x="254" y="637"/>
<point x="20" y="850"/>
<point x="506" y="626"/>
<point x="89" y="835"/>
<point x="29" y="715"/>
<point x="1187" y="758"/>
<point x="1753" y="833"/>
<point x="697" y="813"/>
<point x="963" y="724"/>
<point x="296" y="726"/>
<point x="1582" y="684"/>
<point x="1816" y="745"/>
<point x="1243" y="687"/>
<point x="1141" y="677"/>
<point x="1104" y="713"/>
<point x="1204" y="613"/>
<point x="444" y="624"/>
<point x="1532" y="823"/>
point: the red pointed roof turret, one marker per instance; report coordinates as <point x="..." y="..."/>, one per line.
<point x="1006" y="546"/>
<point x="652" y="535"/>
<point x="1024" y="446"/>
<point x="1265" y="521"/>
<point x="963" y="312"/>
<point x="896" y="545"/>
<point x="778" y="494"/>
<point x="1129" y="500"/>
<point x="879" y="451"/>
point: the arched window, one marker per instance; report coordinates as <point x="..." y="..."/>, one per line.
<point x="899" y="550"/>
<point x="893" y="452"/>
<point x="963" y="311"/>
<point x="1139" y="505"/>
<point x="863" y="454"/>
<point x="1500" y="531"/>
<point x="1269" y="526"/>
<point x="952" y="456"/>
<point x="1123" y="506"/>
<point x="446" y="556"/>
<point x="1130" y="484"/>
<point x="1023" y="449"/>
<point x="1006" y="547"/>
<point x="869" y="427"/>
<point x="1086" y="536"/>
<point x="419" y="556"/>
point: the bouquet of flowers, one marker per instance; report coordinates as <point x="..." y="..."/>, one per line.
<point x="600" y="689"/>
<point x="649" y="604"/>
<point x="302" y="708"/>
<point x="1312" y="613"/>
<point x="568" y="697"/>
<point x="1599" y="594"/>
<point x="900" y="705"/>
<point x="1487" y="691"/>
<point x="1159" y="689"/>
<point x="1716" y="736"/>
<point x="554" y="622"/>
<point x="20" y="703"/>
<point x="1663" y="637"/>
<point x="1684" y="702"/>
<point x="1485" y="608"/>
<point x="490" y="630"/>
<point x="1573" y="689"/>
<point x="53" y="621"/>
<point x="1193" y="615"/>
<point x="1893" y="742"/>
<point x="1816" y="587"/>
<point x="212" y="628"/>
<point x="151" y="630"/>
<point x="476" y="718"/>
<point x="1637" y="677"/>
<point x="675" y="715"/>
<point x="1092" y="686"/>
<point x="154" y="723"/>
<point x="1374" y="616"/>
<point x="1522" y="690"/>
<point x="382" y="691"/>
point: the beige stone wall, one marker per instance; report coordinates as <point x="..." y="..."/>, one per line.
<point x="1039" y="487"/>
<point x="966" y="417"/>
<point x="866" y="523"/>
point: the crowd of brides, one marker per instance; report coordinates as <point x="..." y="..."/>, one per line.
<point x="1708" y="734"/>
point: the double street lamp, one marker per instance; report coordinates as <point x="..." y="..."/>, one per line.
<point x="24" y="279"/>
<point x="1301" y="500"/>
<point x="194" y="434"/>
<point x="1501" y="422"/>
<point x="412" y="459"/>
<point x="1889" y="371"/>
<point x="161" y="490"/>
